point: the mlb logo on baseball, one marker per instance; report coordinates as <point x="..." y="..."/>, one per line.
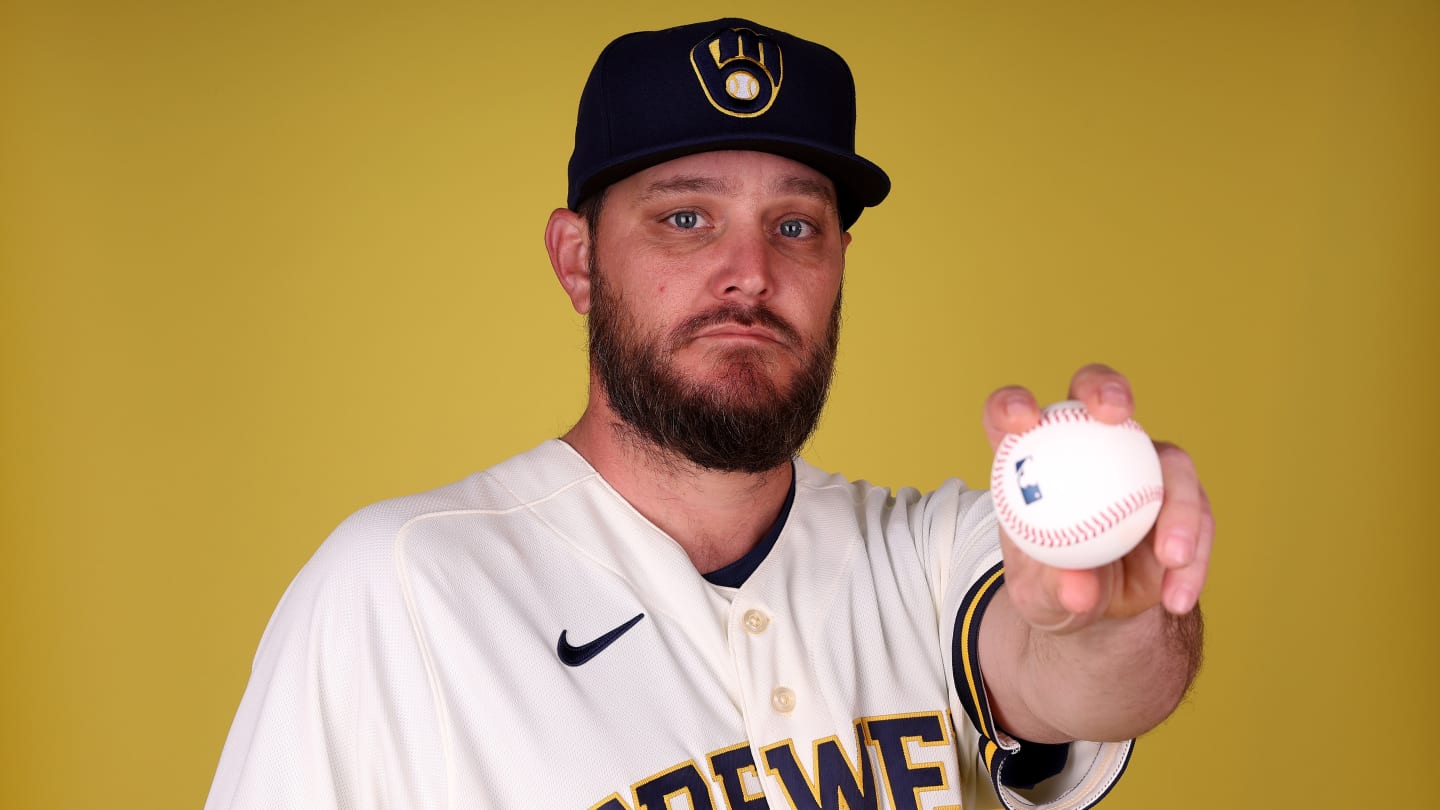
<point x="1025" y="476"/>
<point x="1102" y="488"/>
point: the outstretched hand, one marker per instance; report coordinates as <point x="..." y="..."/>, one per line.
<point x="1168" y="567"/>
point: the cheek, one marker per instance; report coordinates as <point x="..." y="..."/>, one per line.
<point x="822" y="296"/>
<point x="824" y="312"/>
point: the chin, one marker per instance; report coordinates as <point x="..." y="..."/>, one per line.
<point x="746" y="372"/>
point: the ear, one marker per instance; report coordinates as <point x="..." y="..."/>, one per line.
<point x="567" y="240"/>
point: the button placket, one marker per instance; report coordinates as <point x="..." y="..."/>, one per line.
<point x="756" y="622"/>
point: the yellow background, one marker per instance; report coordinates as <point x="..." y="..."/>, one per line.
<point x="264" y="263"/>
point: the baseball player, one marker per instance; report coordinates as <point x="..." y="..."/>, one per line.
<point x="666" y="608"/>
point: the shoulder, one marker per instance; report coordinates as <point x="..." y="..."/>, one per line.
<point x="949" y="530"/>
<point x="360" y="559"/>
<point x="514" y="483"/>
<point x="949" y="501"/>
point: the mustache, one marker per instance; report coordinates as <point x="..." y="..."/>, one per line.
<point x="757" y="315"/>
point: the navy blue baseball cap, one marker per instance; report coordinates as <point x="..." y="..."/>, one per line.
<point x="726" y="84"/>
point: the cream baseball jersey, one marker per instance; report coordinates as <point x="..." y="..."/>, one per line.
<point x="525" y="639"/>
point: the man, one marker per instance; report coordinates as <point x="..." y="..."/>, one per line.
<point x="665" y="608"/>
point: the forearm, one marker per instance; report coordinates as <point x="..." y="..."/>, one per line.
<point x="1112" y="680"/>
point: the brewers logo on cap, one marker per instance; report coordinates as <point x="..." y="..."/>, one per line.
<point x="739" y="70"/>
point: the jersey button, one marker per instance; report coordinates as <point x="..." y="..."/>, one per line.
<point x="755" y="621"/>
<point x="783" y="700"/>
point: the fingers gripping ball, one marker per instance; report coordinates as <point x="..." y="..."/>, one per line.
<point x="1076" y="493"/>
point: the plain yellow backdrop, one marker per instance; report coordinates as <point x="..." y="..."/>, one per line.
<point x="263" y="263"/>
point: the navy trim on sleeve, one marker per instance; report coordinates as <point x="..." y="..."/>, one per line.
<point x="1015" y="767"/>
<point x="965" y="654"/>
<point x="1034" y="763"/>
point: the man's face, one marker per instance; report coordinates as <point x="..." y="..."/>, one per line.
<point x="715" y="305"/>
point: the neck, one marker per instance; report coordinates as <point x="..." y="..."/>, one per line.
<point x="716" y="517"/>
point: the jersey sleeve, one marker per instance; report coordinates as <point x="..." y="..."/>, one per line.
<point x="1022" y="774"/>
<point x="337" y="710"/>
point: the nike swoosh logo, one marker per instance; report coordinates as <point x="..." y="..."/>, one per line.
<point x="573" y="656"/>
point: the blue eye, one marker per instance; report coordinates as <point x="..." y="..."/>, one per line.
<point x="685" y="219"/>
<point x="793" y="228"/>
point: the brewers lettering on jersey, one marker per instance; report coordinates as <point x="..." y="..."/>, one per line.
<point x="667" y="607"/>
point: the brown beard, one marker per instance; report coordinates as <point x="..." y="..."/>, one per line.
<point x="743" y="422"/>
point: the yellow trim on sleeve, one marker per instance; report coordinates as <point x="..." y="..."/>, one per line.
<point x="972" y="675"/>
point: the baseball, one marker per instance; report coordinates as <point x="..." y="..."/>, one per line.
<point x="742" y="86"/>
<point x="1076" y="493"/>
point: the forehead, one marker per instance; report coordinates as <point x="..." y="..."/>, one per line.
<point x="728" y="172"/>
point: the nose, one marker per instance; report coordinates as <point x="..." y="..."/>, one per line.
<point x="746" y="266"/>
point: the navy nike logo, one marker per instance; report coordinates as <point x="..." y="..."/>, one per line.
<point x="573" y="656"/>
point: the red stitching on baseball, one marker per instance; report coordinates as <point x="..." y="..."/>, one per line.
<point x="1089" y="528"/>
<point x="1070" y="535"/>
<point x="1080" y="415"/>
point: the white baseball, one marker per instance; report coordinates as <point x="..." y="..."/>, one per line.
<point x="1076" y="493"/>
<point x="742" y="85"/>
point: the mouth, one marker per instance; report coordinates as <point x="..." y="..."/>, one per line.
<point x="739" y="332"/>
<point x="758" y="325"/>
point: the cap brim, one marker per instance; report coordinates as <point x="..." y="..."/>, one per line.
<point x="859" y="184"/>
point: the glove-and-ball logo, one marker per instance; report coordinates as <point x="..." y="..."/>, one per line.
<point x="739" y="70"/>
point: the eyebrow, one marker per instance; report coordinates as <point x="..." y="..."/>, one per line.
<point x="685" y="183"/>
<point x="807" y="187"/>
